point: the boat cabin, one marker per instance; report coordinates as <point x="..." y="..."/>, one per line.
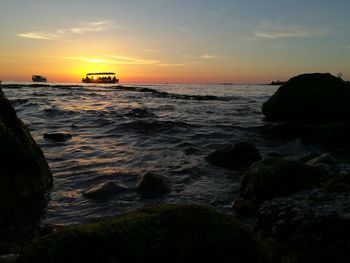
<point x="38" y="78"/>
<point x="101" y="77"/>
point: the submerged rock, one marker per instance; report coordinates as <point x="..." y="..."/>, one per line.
<point x="165" y="234"/>
<point x="240" y="154"/>
<point x="58" y="136"/>
<point x="153" y="185"/>
<point x="310" y="98"/>
<point x="105" y="189"/>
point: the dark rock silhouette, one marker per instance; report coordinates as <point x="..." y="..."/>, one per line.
<point x="271" y="178"/>
<point x="25" y="178"/>
<point x="165" y="234"/>
<point x="24" y="170"/>
<point x="240" y="154"/>
<point x="310" y="98"/>
<point x="326" y="134"/>
<point x="315" y="224"/>
<point x="153" y="185"/>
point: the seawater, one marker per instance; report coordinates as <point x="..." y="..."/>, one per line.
<point x="121" y="132"/>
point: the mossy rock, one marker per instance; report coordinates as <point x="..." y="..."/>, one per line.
<point x="171" y="233"/>
<point x="310" y="98"/>
<point x="275" y="177"/>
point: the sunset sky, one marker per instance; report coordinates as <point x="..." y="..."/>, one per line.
<point x="192" y="41"/>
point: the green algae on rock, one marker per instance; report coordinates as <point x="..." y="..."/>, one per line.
<point x="171" y="233"/>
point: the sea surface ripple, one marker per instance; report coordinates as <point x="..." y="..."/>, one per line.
<point x="121" y="132"/>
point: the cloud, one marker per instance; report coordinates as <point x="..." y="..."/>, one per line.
<point x="171" y="65"/>
<point x="39" y="35"/>
<point x="112" y="59"/>
<point x="150" y="50"/>
<point x="60" y="34"/>
<point x="271" y="31"/>
<point x="132" y="60"/>
<point x="208" y="56"/>
<point x="98" y="26"/>
<point x="182" y="29"/>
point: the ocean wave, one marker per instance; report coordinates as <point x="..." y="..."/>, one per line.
<point x="152" y="125"/>
<point x="171" y="95"/>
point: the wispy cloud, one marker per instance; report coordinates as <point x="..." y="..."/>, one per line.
<point x="171" y="65"/>
<point x="39" y="35"/>
<point x="150" y="50"/>
<point x="60" y="34"/>
<point x="182" y="29"/>
<point x="93" y="27"/>
<point x="112" y="59"/>
<point x="273" y="31"/>
<point x="208" y="56"/>
<point x="132" y="60"/>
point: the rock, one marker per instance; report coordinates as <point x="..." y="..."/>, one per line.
<point x="105" y="189"/>
<point x="25" y="178"/>
<point x="58" y="136"/>
<point x="275" y="177"/>
<point x="313" y="222"/>
<point x="303" y="157"/>
<point x="340" y="183"/>
<point x="328" y="134"/>
<point x="9" y="258"/>
<point x="171" y="233"/>
<point x="310" y="98"/>
<point x="323" y="158"/>
<point x="24" y="170"/>
<point x="240" y="154"/>
<point x="153" y="185"/>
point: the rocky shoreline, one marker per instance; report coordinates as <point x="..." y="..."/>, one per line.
<point x="299" y="204"/>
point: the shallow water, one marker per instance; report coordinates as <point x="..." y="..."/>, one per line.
<point x="121" y="132"/>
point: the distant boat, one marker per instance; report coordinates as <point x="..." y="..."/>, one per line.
<point x="101" y="77"/>
<point x="277" y="82"/>
<point x="38" y="78"/>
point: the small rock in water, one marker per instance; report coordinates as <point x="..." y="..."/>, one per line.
<point x="58" y="136"/>
<point x="240" y="154"/>
<point x="153" y="185"/>
<point x="105" y="189"/>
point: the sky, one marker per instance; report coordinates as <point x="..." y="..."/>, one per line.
<point x="174" y="41"/>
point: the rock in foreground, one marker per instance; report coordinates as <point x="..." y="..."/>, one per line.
<point x="310" y="98"/>
<point x="164" y="234"/>
<point x="275" y="177"/>
<point x="315" y="224"/>
<point x="24" y="170"/>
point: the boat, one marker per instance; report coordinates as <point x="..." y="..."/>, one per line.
<point x="101" y="77"/>
<point x="38" y="78"/>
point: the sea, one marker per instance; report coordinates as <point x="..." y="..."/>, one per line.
<point x="121" y="132"/>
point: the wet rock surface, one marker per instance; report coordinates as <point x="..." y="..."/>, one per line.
<point x="153" y="185"/>
<point x="240" y="154"/>
<point x="105" y="190"/>
<point x="313" y="222"/>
